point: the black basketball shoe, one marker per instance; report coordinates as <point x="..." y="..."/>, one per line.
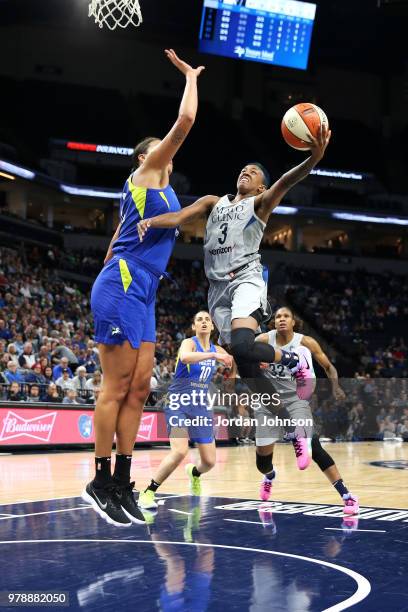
<point x="106" y="503"/>
<point x="124" y="493"/>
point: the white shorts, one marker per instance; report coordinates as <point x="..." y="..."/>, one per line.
<point x="270" y="430"/>
<point x="237" y="298"/>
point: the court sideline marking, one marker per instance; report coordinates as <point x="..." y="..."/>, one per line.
<point x="363" y="585"/>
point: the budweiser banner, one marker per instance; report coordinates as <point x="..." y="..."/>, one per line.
<point x="23" y="426"/>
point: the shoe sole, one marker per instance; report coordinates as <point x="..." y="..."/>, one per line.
<point x="150" y="507"/>
<point x="90" y="500"/>
<point x="133" y="518"/>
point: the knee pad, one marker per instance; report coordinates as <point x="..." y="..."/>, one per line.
<point x="264" y="463"/>
<point x="242" y="340"/>
<point x="319" y="455"/>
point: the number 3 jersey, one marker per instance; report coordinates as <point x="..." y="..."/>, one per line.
<point x="232" y="238"/>
<point x="283" y="380"/>
<point x="193" y="376"/>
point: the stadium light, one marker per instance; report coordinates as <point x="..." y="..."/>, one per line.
<point x="345" y="216"/>
<point x="17" y="170"/>
<point x="286" y="210"/>
<point x="89" y="192"/>
<point x="354" y="176"/>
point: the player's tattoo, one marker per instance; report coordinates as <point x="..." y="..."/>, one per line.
<point x="178" y="136"/>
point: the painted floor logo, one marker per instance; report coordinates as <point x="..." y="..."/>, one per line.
<point x="397" y="464"/>
<point x="378" y="514"/>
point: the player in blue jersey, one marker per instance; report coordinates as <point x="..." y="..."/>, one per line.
<point x="187" y="413"/>
<point x="123" y="306"/>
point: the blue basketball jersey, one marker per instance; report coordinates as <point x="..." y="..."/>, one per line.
<point x="194" y="375"/>
<point x="139" y="203"/>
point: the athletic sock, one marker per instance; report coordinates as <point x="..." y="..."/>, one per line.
<point x="153" y="486"/>
<point x="195" y="472"/>
<point x="340" y="487"/>
<point x="122" y="468"/>
<point x="102" y="471"/>
<point x="270" y="475"/>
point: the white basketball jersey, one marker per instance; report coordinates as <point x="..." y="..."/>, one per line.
<point x="232" y="238"/>
<point x="284" y="381"/>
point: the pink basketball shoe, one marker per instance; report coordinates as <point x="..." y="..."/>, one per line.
<point x="266" y="487"/>
<point x="303" y="451"/>
<point x="305" y="377"/>
<point x="351" y="505"/>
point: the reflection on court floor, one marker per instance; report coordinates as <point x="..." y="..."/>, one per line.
<point x="208" y="553"/>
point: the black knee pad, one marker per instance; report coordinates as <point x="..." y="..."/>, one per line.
<point x="258" y="315"/>
<point x="242" y="341"/>
<point x="264" y="463"/>
<point x="319" y="455"/>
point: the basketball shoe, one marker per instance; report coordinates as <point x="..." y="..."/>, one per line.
<point x="106" y="503"/>
<point x="147" y="500"/>
<point x="124" y="493"/>
<point x="302" y="446"/>
<point x="305" y="379"/>
<point x="266" y="487"/>
<point x="195" y="484"/>
<point x="351" y="505"/>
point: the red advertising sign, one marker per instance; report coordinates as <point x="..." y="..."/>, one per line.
<point x="23" y="426"/>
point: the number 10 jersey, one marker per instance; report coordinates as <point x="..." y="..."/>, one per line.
<point x="232" y="238"/>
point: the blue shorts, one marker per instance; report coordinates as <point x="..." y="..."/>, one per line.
<point x="123" y="303"/>
<point x="202" y="432"/>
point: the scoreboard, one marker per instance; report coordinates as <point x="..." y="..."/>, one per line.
<point x="270" y="31"/>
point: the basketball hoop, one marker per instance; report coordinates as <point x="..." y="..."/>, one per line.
<point x="115" y="13"/>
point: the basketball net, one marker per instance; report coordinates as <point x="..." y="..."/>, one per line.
<point x="115" y="13"/>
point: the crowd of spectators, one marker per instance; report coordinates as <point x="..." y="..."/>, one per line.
<point x="363" y="315"/>
<point x="374" y="408"/>
<point x="47" y="351"/>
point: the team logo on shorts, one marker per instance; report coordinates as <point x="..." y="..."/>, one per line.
<point x="116" y="331"/>
<point x="398" y="464"/>
<point x="85" y="425"/>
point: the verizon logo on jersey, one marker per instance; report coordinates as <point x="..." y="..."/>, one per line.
<point x="221" y="250"/>
<point x="39" y="428"/>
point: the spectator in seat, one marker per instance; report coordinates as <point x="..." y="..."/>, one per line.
<point x="48" y="375"/>
<point x="19" y="343"/>
<point x="12" y="374"/>
<point x="5" y="359"/>
<point x="94" y="382"/>
<point x="93" y="399"/>
<point x="27" y="358"/>
<point x="12" y="350"/>
<point x="388" y="428"/>
<point x="64" y="382"/>
<point x="5" y="333"/>
<point x="61" y="351"/>
<point x="34" y="395"/>
<point x="80" y="382"/>
<point x="14" y="393"/>
<point x="52" y="394"/>
<point x="71" y="397"/>
<point x="63" y="365"/>
<point x="35" y="376"/>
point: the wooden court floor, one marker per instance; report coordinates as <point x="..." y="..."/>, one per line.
<point x="40" y="476"/>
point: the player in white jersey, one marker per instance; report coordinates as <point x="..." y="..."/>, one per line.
<point x="235" y="226"/>
<point x="294" y="401"/>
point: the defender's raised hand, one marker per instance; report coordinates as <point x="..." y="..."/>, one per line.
<point x="185" y="68"/>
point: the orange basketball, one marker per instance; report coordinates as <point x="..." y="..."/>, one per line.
<point x="300" y="122"/>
